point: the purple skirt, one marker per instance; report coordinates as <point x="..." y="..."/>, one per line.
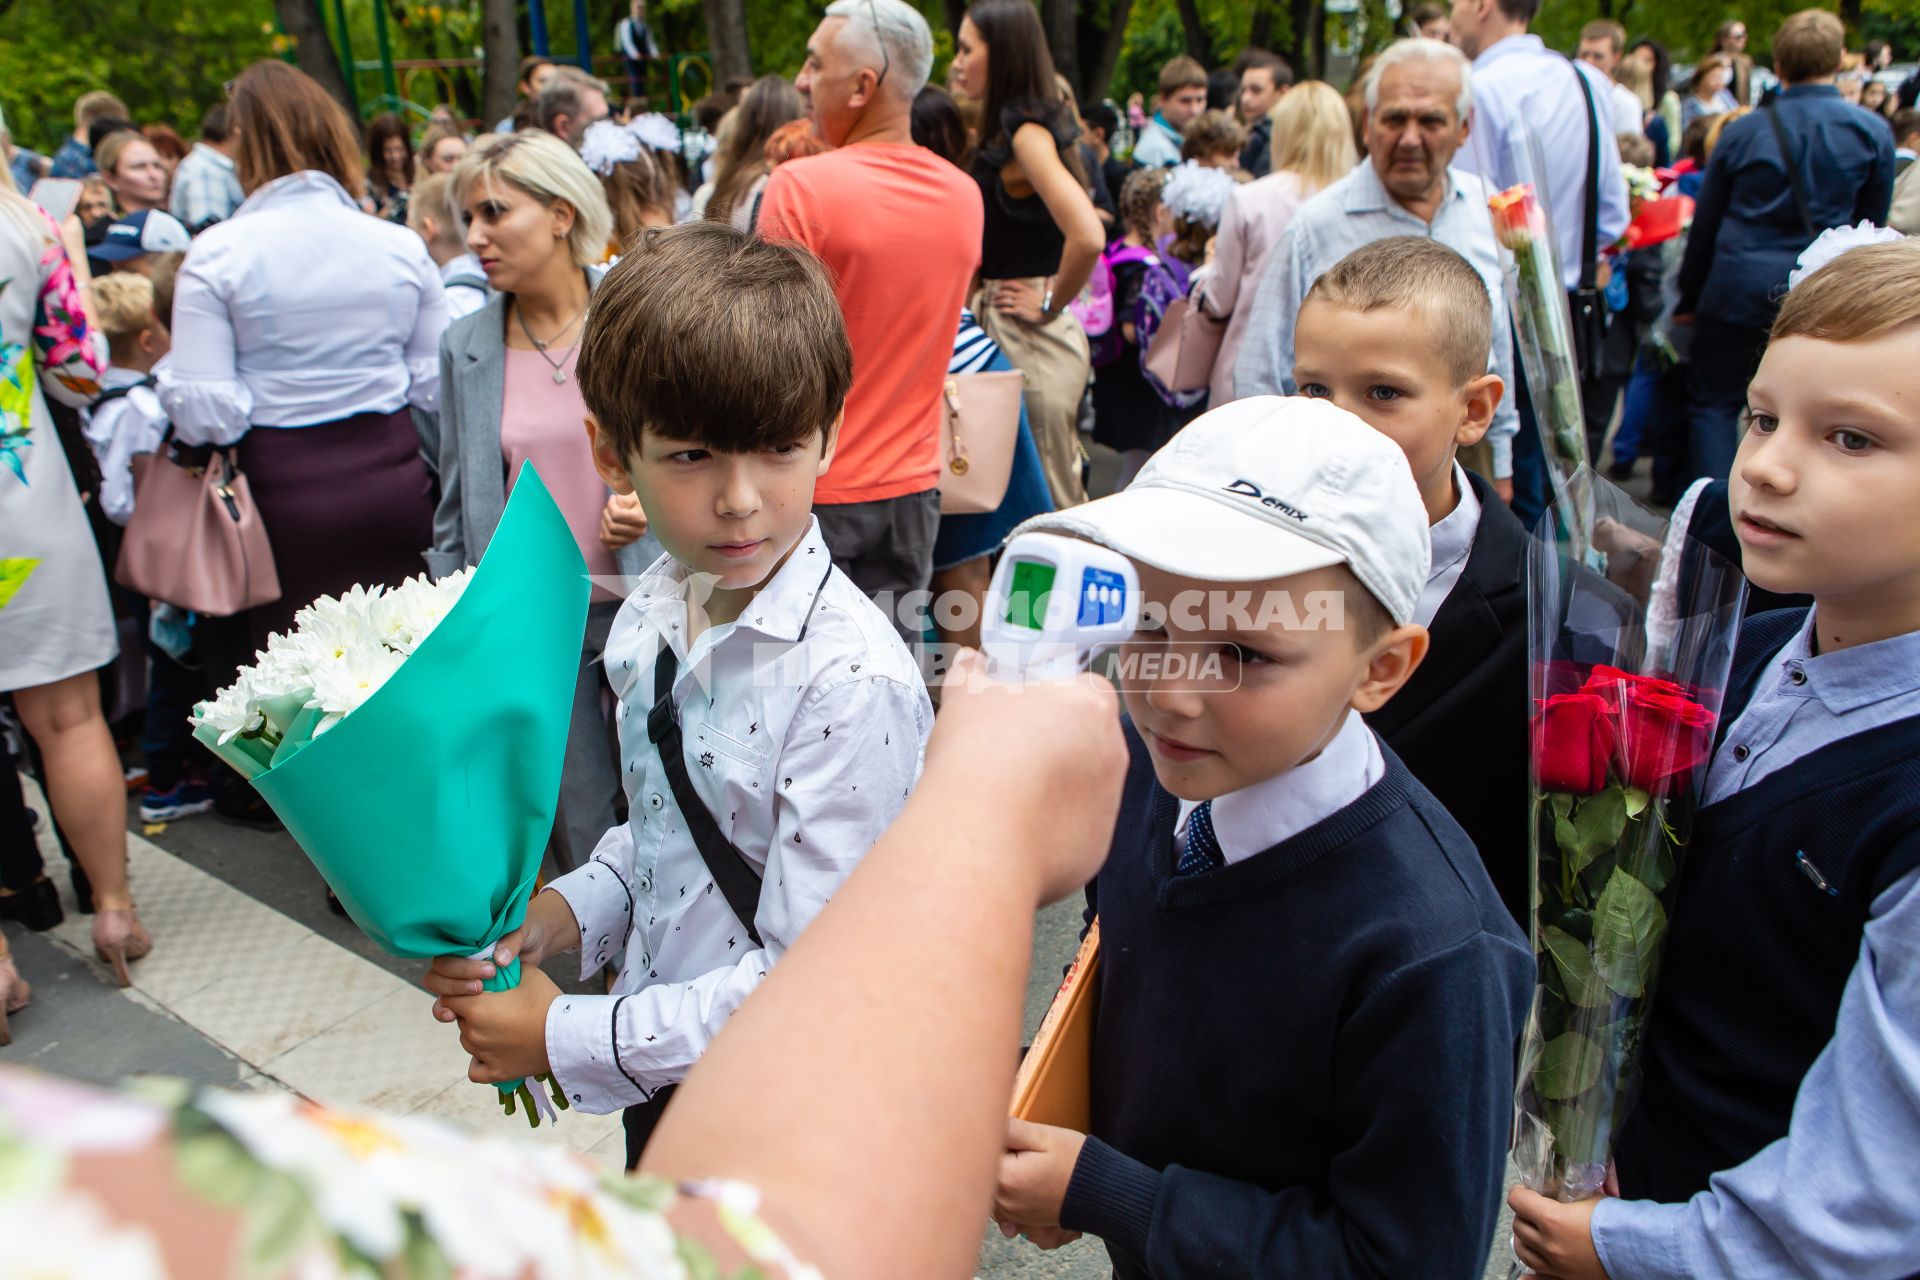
<point x="344" y="502"/>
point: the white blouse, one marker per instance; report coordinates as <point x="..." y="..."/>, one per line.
<point x="301" y="310"/>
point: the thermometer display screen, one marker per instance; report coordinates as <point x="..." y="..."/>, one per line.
<point x="1027" y="594"/>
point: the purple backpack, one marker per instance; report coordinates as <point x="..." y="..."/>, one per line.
<point x="1095" y="306"/>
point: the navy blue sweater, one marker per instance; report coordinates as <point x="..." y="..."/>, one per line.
<point x="1303" y="1062"/>
<point x="1778" y="885"/>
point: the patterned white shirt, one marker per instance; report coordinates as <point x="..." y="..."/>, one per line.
<point x="804" y="724"/>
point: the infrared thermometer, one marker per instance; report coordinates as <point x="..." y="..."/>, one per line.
<point x="1056" y="603"/>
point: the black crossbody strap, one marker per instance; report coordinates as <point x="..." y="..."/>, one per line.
<point x="115" y="393"/>
<point x="1590" y="224"/>
<point x="1794" y="179"/>
<point x="739" y="882"/>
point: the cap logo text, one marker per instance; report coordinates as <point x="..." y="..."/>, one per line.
<point x="1248" y="489"/>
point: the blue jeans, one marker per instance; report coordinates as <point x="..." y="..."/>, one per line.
<point x="165" y="736"/>
<point x="1637" y="411"/>
<point x="1725" y="358"/>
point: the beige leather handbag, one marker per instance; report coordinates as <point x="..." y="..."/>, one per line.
<point x="195" y="539"/>
<point x="979" y="427"/>
<point x="1185" y="346"/>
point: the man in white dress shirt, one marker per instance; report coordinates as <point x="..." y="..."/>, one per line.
<point x="1519" y="83"/>
<point x="1517" y="79"/>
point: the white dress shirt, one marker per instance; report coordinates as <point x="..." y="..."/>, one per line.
<point x="804" y="725"/>
<point x="1519" y="81"/>
<point x="1452" y="540"/>
<point x="1256" y="818"/>
<point x="301" y="310"/>
<point x="1358" y="210"/>
<point x="1628" y="115"/>
<point x="120" y="428"/>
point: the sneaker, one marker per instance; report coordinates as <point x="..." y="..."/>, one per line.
<point x="185" y="800"/>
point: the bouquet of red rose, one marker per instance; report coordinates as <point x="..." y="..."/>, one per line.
<point x="1631" y="644"/>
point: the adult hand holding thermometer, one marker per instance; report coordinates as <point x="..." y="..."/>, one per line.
<point x="1054" y="605"/>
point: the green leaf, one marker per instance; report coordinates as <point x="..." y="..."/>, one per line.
<point x="1637" y="801"/>
<point x="1584" y="987"/>
<point x="1569" y="1065"/>
<point x="698" y="1260"/>
<point x="1562" y="804"/>
<point x="215" y="1167"/>
<point x="1578" y="922"/>
<point x="1598" y="824"/>
<point x="279" y="1219"/>
<point x="1576" y="1134"/>
<point x="1567" y="837"/>
<point x="1628" y="924"/>
<point x="645" y="1192"/>
<point x="421" y="1257"/>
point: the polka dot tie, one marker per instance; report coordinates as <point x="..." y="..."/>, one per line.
<point x="1203" y="846"/>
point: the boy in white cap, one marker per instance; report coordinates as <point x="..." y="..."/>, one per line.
<point x="1309" y="990"/>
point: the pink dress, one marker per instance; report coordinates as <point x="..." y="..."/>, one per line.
<point x="1257" y="215"/>
<point x="542" y="421"/>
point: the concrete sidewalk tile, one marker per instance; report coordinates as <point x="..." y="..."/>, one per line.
<point x="390" y="1056"/>
<point x="262" y="1010"/>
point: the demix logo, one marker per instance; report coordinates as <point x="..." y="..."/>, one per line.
<point x="1248" y="489"/>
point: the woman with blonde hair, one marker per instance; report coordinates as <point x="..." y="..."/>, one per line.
<point x="1312" y="148"/>
<point x="537" y="219"/>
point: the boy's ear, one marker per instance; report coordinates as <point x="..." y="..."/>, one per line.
<point x="1396" y="656"/>
<point x="606" y="458"/>
<point x="1479" y="399"/>
<point x="831" y="441"/>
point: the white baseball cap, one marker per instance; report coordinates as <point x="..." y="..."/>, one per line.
<point x="1264" y="488"/>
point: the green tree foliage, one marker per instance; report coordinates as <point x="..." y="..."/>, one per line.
<point x="166" y="59"/>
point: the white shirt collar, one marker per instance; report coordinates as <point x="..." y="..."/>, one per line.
<point x="1452" y="540"/>
<point x="779" y="611"/>
<point x="1254" y="819"/>
<point x="296" y="188"/>
<point x="1507" y="46"/>
<point x="213" y="155"/>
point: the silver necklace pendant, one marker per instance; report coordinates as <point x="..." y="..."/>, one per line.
<point x="559" y="376"/>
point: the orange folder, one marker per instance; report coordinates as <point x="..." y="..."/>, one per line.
<point x="1055" y="1081"/>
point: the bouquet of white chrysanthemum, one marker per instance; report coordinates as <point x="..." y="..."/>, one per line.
<point x="340" y="652"/>
<point x="412" y="739"/>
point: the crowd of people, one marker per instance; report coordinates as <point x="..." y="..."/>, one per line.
<point x="739" y="348"/>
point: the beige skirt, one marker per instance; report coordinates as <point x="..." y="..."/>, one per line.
<point x="1055" y="358"/>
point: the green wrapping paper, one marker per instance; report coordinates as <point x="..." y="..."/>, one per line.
<point x="428" y="809"/>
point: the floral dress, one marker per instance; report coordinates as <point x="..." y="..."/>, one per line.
<point x="55" y="620"/>
<point x="165" y="1181"/>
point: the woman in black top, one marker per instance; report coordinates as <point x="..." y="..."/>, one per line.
<point x="1041" y="235"/>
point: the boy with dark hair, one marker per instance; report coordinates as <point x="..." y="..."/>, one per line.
<point x="1181" y="97"/>
<point x="771" y="721"/>
<point x="1396" y="333"/>
<point x="1265" y="78"/>
<point x="1309" y="993"/>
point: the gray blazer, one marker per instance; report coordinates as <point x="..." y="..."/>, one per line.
<point x="464" y="440"/>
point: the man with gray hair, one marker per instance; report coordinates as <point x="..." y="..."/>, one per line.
<point x="571" y="101"/>
<point x="1419" y="100"/>
<point x="900" y="228"/>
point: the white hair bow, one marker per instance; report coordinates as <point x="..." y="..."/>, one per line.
<point x="1198" y="193"/>
<point x="1835" y="241"/>
<point x="607" y="144"/>
<point x="657" y="132"/>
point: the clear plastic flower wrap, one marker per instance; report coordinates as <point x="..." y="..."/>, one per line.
<point x="1630" y="645"/>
